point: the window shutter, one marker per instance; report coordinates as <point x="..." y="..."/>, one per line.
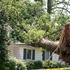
<point x="33" y="55"/>
<point x="50" y="55"/>
<point x="24" y="56"/>
<point x="43" y="55"/>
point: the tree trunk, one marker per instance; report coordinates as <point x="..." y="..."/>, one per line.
<point x="49" y="6"/>
<point x="62" y="47"/>
<point x="46" y="44"/>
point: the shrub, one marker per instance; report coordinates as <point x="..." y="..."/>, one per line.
<point x="29" y="65"/>
<point x="34" y="65"/>
<point x="14" y="64"/>
<point x="44" y="64"/>
<point x="37" y="64"/>
<point x="52" y="64"/>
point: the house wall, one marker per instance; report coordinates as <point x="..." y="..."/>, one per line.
<point x="16" y="50"/>
<point x="38" y="55"/>
<point x="55" y="57"/>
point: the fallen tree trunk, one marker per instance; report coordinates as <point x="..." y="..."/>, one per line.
<point x="62" y="47"/>
<point x="46" y="44"/>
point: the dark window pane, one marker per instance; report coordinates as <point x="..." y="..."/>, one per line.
<point x="43" y="55"/>
<point x="24" y="56"/>
<point x="28" y="54"/>
<point x="33" y="55"/>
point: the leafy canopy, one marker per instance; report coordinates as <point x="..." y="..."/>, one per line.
<point x="30" y="21"/>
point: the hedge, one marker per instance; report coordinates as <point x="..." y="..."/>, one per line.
<point x="44" y="65"/>
<point x="14" y="64"/>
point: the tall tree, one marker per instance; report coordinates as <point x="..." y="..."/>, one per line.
<point x="3" y="39"/>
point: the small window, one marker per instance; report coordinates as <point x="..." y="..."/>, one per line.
<point x="43" y="55"/>
<point x="28" y="54"/>
<point x="47" y="55"/>
<point x="33" y="55"/>
<point x="24" y="56"/>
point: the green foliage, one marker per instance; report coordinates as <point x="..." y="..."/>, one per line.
<point x="30" y="65"/>
<point x="53" y="64"/>
<point x="30" y="21"/>
<point x="34" y="65"/>
<point x="3" y="40"/>
<point x="38" y="64"/>
<point x="14" y="64"/>
<point x="44" y="65"/>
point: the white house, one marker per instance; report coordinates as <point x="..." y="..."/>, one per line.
<point x="25" y="52"/>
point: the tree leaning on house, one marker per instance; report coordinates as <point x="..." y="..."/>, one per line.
<point x="62" y="47"/>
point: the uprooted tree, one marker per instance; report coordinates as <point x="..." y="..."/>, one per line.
<point x="62" y="47"/>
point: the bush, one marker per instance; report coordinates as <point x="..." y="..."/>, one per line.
<point x="37" y="64"/>
<point x="14" y="64"/>
<point x="29" y="65"/>
<point x="44" y="64"/>
<point x="34" y="65"/>
<point x="52" y="64"/>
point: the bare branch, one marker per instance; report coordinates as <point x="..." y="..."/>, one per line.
<point x="61" y="3"/>
<point x="62" y="8"/>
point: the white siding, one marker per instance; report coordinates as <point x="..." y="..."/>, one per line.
<point x="21" y="53"/>
<point x="38" y="54"/>
<point x="55" y="57"/>
<point x="15" y="51"/>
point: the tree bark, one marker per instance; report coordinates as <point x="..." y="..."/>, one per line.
<point x="46" y="44"/>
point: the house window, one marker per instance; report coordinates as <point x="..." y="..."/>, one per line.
<point x="47" y="55"/>
<point x="43" y="55"/>
<point x="29" y="54"/>
<point x="33" y="55"/>
<point x="24" y="56"/>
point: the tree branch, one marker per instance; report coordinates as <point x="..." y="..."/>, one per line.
<point x="61" y="3"/>
<point x="46" y="44"/>
<point x="62" y="8"/>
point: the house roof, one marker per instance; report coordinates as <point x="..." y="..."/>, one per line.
<point x="23" y="44"/>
